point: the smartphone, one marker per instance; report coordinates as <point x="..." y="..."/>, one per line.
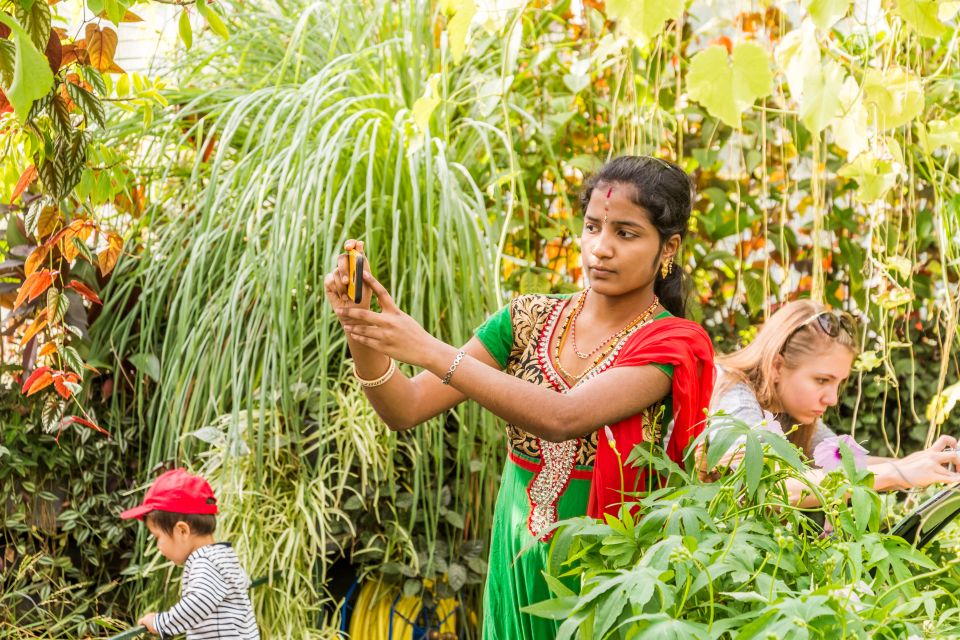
<point x="355" y="267"/>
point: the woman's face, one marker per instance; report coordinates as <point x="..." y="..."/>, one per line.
<point x="808" y="390"/>
<point x="620" y="246"/>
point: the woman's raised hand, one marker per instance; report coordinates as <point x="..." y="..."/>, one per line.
<point x="930" y="466"/>
<point x="391" y="331"/>
<point x="335" y="283"/>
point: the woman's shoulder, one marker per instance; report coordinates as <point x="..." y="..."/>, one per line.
<point x="537" y="303"/>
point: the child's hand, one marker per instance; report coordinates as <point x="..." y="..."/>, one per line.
<point x="148" y="621"/>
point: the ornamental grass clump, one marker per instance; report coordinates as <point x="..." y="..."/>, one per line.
<point x="733" y="558"/>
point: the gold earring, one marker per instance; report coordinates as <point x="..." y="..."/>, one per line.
<point x="666" y="268"/>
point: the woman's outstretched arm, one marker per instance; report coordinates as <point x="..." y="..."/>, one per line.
<point x="617" y="394"/>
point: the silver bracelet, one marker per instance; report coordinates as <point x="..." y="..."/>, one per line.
<point x="453" y="367"/>
<point x="392" y="369"/>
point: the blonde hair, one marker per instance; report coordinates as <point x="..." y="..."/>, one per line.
<point x="793" y="334"/>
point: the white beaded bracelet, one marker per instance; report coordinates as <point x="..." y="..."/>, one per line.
<point x="392" y="369"/>
<point x="453" y="367"/>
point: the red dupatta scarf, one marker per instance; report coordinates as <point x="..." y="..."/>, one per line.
<point x="685" y="345"/>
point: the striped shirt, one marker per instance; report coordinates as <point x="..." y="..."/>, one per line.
<point x="214" y="602"/>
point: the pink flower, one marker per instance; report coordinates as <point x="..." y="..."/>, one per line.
<point x="826" y="455"/>
<point x="770" y="423"/>
<point x="610" y="439"/>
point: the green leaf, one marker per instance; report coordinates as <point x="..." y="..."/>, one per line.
<point x="186" y="31"/>
<point x="532" y="282"/>
<point x="8" y="56"/>
<point x="456" y="576"/>
<point x="821" y="96"/>
<point x="95" y="78"/>
<point x="874" y="177"/>
<point x="213" y="19"/>
<point x="861" y="502"/>
<point x="36" y="21"/>
<point x="940" y="133"/>
<point x="62" y="305"/>
<point x="454" y="518"/>
<point x="116" y="9"/>
<point x="643" y="20"/>
<point x="90" y="104"/>
<point x="458" y="26"/>
<point x="922" y="16"/>
<point x="893" y="97"/>
<point x="83" y="249"/>
<point x="726" y="88"/>
<point x="148" y="364"/>
<point x="753" y="282"/>
<point x="753" y="460"/>
<point x="32" y="78"/>
<point x="556" y="609"/>
<point x="72" y="358"/>
<point x="826" y="12"/>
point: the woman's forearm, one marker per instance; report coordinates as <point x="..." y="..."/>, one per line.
<point x="542" y="411"/>
<point x="887" y="476"/>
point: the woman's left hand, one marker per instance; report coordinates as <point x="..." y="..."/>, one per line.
<point x="391" y="331"/>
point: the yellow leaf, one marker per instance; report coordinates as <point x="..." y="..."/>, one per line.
<point x="425" y="104"/>
<point x="35" y="328"/>
<point x="47" y="349"/>
<point x="642" y="20"/>
<point x="49" y="219"/>
<point x="35" y="259"/>
<point x="109" y="256"/>
<point x="459" y="26"/>
<point x="101" y="47"/>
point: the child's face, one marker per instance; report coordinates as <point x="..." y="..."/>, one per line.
<point x="174" y="546"/>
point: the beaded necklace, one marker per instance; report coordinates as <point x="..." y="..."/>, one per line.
<point x="612" y="341"/>
<point x="576" y="314"/>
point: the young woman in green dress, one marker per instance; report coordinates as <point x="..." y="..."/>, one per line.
<point x="557" y="370"/>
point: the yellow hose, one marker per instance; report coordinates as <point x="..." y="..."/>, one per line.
<point x="370" y="619"/>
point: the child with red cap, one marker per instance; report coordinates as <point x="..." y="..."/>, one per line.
<point x="180" y="512"/>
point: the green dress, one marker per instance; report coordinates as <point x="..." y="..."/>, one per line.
<point x="542" y="482"/>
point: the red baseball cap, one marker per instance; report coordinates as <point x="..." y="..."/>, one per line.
<point x="178" y="491"/>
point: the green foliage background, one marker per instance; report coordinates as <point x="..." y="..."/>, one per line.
<point x="453" y="138"/>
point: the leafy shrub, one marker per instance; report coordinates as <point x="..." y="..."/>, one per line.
<point x="734" y="559"/>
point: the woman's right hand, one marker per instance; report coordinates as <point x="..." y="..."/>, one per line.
<point x="929" y="466"/>
<point x="336" y="282"/>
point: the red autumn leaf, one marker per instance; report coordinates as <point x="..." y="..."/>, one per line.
<point x="34" y="285"/>
<point x="84" y="291"/>
<point x="28" y="176"/>
<point x="61" y="388"/>
<point x="39" y="371"/>
<point x="71" y="419"/>
<point x="41" y="383"/>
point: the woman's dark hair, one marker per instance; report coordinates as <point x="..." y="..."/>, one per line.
<point x="200" y="524"/>
<point x="665" y="191"/>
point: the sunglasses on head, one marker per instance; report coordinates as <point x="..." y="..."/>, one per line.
<point x="831" y="323"/>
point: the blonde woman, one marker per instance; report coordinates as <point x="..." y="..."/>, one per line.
<point x="791" y="374"/>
